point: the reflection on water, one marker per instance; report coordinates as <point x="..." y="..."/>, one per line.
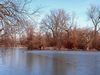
<point x="18" y="62"/>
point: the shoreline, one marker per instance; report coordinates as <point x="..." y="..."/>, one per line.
<point x="59" y="50"/>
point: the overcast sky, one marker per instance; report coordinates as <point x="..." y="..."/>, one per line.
<point x="78" y="6"/>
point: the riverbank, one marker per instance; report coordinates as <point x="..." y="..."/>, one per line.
<point x="52" y="49"/>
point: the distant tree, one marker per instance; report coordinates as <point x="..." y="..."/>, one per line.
<point x="94" y="16"/>
<point x="56" y="23"/>
<point x="13" y="16"/>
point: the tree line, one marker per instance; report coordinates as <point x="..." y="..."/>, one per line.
<point x="58" y="30"/>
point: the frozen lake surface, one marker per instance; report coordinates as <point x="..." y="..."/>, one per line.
<point x="20" y="62"/>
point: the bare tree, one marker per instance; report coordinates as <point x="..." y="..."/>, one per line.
<point x="94" y="16"/>
<point x="13" y="16"/>
<point x="56" y="23"/>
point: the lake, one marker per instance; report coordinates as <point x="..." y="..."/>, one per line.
<point x="21" y="62"/>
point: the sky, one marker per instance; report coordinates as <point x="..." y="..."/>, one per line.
<point x="79" y="7"/>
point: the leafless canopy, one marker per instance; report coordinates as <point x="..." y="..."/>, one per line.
<point x="12" y="15"/>
<point x="56" y="22"/>
<point x="94" y="16"/>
